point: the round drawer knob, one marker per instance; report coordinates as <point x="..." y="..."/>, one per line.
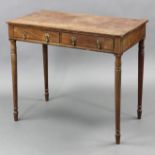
<point x="98" y="43"/>
<point x="47" y="37"/>
<point x="24" y="36"/>
<point x="73" y="41"/>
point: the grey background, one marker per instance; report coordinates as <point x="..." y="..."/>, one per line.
<point x="79" y="118"/>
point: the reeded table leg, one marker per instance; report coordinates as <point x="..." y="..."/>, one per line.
<point x="14" y="78"/>
<point x="117" y="96"/>
<point x="45" y="63"/>
<point x="140" y="77"/>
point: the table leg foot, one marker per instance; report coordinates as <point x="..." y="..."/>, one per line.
<point x="118" y="137"/>
<point x="139" y="114"/>
<point x="47" y="96"/>
<point x="15" y="116"/>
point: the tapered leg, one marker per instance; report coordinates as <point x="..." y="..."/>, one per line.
<point x="14" y="78"/>
<point x="45" y="64"/>
<point x="117" y="97"/>
<point x="140" y="77"/>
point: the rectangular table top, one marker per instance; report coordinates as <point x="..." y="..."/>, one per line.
<point x="80" y="22"/>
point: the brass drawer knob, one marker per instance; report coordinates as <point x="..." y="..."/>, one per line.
<point x="98" y="43"/>
<point x="47" y="37"/>
<point x="73" y="41"/>
<point x="24" y="36"/>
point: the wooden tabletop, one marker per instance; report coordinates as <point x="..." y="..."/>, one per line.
<point x="80" y="22"/>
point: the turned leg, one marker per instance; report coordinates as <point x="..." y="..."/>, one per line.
<point x="45" y="64"/>
<point x="14" y="78"/>
<point x="140" y="77"/>
<point x="117" y="97"/>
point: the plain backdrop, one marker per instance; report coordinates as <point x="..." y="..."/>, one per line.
<point x="79" y="118"/>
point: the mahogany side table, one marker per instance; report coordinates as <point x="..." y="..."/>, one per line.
<point x="94" y="33"/>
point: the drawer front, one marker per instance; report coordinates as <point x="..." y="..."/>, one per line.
<point x="66" y="38"/>
<point x="39" y="35"/>
<point x="86" y="41"/>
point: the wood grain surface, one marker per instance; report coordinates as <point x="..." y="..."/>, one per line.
<point x="80" y="22"/>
